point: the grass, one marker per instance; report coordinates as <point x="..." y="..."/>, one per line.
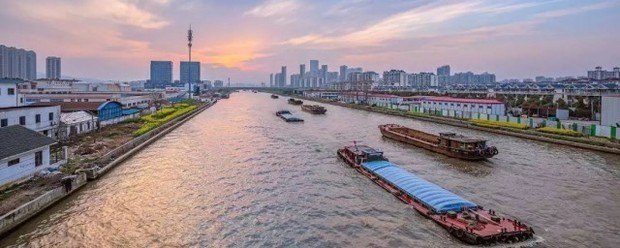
<point x="162" y="116"/>
<point x="566" y="132"/>
<point x="498" y="124"/>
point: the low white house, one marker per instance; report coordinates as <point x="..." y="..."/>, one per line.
<point x="483" y="106"/>
<point x="23" y="152"/>
<point x="76" y="123"/>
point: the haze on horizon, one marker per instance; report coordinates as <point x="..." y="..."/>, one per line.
<point x="247" y="40"/>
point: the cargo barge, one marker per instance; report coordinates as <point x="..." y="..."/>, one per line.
<point x="288" y="116"/>
<point x="275" y="96"/>
<point x="450" y="144"/>
<point x="314" y="109"/>
<point x="294" y="101"/>
<point x="463" y="219"/>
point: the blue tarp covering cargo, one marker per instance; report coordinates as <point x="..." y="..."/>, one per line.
<point x="433" y="196"/>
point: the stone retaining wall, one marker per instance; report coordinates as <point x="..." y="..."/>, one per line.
<point x="24" y="212"/>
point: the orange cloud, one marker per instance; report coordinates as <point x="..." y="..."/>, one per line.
<point x="237" y="54"/>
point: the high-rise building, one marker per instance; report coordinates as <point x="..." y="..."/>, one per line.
<point x="283" y="77"/>
<point x="17" y="63"/>
<point x="343" y="73"/>
<point x="314" y="67"/>
<point x="52" y="67"/>
<point x="443" y="75"/>
<point x="271" y="80"/>
<point x="395" y="78"/>
<point x="302" y="70"/>
<point x="323" y="72"/>
<point x="161" y="75"/>
<point x="422" y="80"/>
<point x="190" y="72"/>
<point x="600" y="74"/>
<point x="277" y="79"/>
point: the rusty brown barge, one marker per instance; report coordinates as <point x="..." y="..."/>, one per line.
<point x="450" y="144"/>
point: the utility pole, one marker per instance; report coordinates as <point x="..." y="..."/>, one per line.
<point x="190" y="37"/>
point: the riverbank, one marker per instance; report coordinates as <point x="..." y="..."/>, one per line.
<point x="93" y="155"/>
<point x="580" y="142"/>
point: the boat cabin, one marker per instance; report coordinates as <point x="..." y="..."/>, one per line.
<point x="452" y="140"/>
<point x="364" y="153"/>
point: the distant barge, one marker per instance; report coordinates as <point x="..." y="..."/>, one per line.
<point x="314" y="109"/>
<point x="294" y="101"/>
<point x="463" y="219"/>
<point x="450" y="144"/>
<point x="275" y="96"/>
<point x="288" y="116"/>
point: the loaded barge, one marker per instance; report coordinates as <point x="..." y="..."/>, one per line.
<point x="450" y="144"/>
<point x="463" y="219"/>
<point x="288" y="116"/>
<point x="314" y="109"/>
<point x="294" y="101"/>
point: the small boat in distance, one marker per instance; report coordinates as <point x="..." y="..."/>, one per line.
<point x="463" y="219"/>
<point x="288" y="116"/>
<point x="275" y="96"/>
<point x="450" y="144"/>
<point x="314" y="109"/>
<point x="294" y="101"/>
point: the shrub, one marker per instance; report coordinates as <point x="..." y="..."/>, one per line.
<point x="566" y="132"/>
<point x="487" y="123"/>
<point x="153" y="122"/>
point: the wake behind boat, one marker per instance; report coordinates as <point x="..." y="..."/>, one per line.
<point x="450" y="144"/>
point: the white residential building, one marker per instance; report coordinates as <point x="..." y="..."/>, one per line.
<point x="483" y="106"/>
<point x="42" y="119"/>
<point x="23" y="152"/>
<point x="9" y="96"/>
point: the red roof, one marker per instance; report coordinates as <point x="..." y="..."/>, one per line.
<point x="462" y="100"/>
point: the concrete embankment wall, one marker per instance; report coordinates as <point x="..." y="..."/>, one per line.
<point x="23" y="213"/>
<point x="549" y="138"/>
<point x="121" y="153"/>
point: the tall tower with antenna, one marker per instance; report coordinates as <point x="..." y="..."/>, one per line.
<point x="190" y="37"/>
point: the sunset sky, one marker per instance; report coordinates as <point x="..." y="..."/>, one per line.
<point x="247" y="40"/>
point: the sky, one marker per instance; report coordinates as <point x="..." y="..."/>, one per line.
<point x="248" y="39"/>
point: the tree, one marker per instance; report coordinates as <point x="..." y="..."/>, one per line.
<point x="157" y="99"/>
<point x="561" y="104"/>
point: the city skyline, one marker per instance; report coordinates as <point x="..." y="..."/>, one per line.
<point x="515" y="39"/>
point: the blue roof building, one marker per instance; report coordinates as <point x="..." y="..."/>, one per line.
<point x="110" y="110"/>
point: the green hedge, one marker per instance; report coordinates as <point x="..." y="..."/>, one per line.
<point x="566" y="132"/>
<point x="488" y="123"/>
<point x="155" y="120"/>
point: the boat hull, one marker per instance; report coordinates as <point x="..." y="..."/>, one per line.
<point x="313" y="110"/>
<point x="434" y="147"/>
<point x="455" y="227"/>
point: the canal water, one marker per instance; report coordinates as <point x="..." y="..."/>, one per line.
<point x="238" y="176"/>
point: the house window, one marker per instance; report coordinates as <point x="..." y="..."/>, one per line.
<point x="37" y="118"/>
<point x="51" y="116"/>
<point x="14" y="161"/>
<point x="22" y="120"/>
<point x="11" y="91"/>
<point x="4" y="122"/>
<point x="38" y="158"/>
<point x="46" y="133"/>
